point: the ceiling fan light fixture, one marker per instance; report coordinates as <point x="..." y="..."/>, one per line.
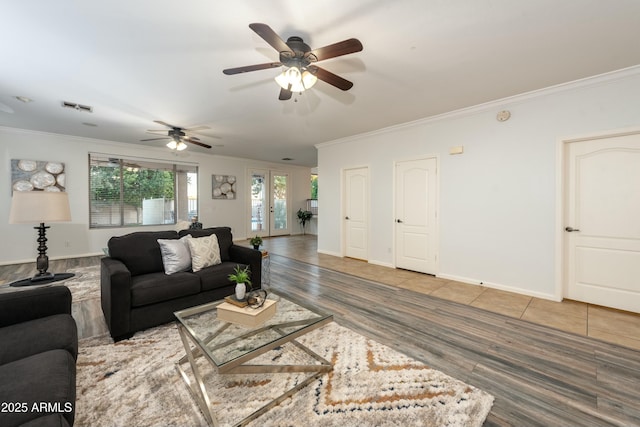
<point x="176" y="145"/>
<point x="308" y="79"/>
<point x="295" y="80"/>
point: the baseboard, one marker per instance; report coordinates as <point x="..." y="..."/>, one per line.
<point x="383" y="264"/>
<point x="321" y="251"/>
<point x="33" y="260"/>
<point x="501" y="287"/>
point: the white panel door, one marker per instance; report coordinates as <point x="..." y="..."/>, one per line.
<point x="415" y="216"/>
<point x="356" y="215"/>
<point x="602" y="220"/>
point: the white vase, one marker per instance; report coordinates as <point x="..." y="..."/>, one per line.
<point x="241" y="290"/>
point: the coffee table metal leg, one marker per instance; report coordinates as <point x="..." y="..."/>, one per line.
<point x="199" y="392"/>
<point x="201" y="396"/>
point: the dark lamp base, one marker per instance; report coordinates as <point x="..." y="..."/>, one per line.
<point x="42" y="279"/>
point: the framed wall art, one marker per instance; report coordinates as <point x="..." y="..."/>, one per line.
<point x="223" y="187"/>
<point x="37" y="175"/>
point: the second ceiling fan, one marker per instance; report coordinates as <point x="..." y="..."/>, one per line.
<point x="177" y="136"/>
<point x="300" y="59"/>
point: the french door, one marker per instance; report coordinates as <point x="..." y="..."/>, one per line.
<point x="270" y="204"/>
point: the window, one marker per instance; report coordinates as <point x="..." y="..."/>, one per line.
<point x="132" y="192"/>
<point x="314" y="186"/>
<point x="312" y="203"/>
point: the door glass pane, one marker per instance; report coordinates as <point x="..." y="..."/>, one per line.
<point x="280" y="202"/>
<point x="258" y="202"/>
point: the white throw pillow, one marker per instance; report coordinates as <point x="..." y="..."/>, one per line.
<point x="205" y="252"/>
<point x="176" y="255"/>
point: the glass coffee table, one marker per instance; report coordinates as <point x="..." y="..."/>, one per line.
<point x="228" y="347"/>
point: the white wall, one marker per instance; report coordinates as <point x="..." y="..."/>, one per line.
<point x="497" y="218"/>
<point x="75" y="238"/>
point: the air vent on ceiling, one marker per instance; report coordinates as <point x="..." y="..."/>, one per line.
<point x="75" y="106"/>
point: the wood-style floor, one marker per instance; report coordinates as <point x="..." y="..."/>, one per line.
<point x="540" y="376"/>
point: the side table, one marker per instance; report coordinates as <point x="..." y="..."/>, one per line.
<point x="266" y="270"/>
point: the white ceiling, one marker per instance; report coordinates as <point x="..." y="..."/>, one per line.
<point x="136" y="61"/>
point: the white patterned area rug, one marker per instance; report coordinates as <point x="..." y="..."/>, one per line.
<point x="135" y="383"/>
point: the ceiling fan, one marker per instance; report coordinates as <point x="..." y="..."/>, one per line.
<point x="301" y="72"/>
<point x="178" y="136"/>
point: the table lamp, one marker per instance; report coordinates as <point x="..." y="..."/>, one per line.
<point x="29" y="207"/>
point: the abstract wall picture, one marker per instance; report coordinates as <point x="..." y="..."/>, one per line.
<point x="37" y="175"/>
<point x="224" y="187"/>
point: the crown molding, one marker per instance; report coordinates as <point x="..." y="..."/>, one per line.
<point x="596" y="80"/>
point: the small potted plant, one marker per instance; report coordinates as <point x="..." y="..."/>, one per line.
<point x="241" y="277"/>
<point x="256" y="242"/>
<point x="303" y="217"/>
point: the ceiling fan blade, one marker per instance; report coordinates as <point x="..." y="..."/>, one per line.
<point x="270" y="36"/>
<point x="160" y="122"/>
<point x="246" y="69"/>
<point x="190" y="138"/>
<point x="284" y="94"/>
<point x="197" y="128"/>
<point x="154" y="139"/>
<point x="192" y="141"/>
<point x="344" y="47"/>
<point x="329" y="77"/>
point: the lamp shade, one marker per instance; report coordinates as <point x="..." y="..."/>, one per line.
<point x="29" y="207"/>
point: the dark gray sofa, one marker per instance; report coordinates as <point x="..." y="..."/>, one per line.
<point x="38" y="352"/>
<point x="136" y="293"/>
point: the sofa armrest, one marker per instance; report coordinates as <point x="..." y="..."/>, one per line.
<point x="250" y="257"/>
<point x="115" y="292"/>
<point x="29" y="304"/>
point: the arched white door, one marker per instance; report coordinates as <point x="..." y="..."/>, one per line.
<point x="602" y="221"/>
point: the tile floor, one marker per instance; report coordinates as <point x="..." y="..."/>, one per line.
<point x="602" y="323"/>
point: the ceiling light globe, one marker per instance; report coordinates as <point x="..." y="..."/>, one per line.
<point x="308" y="79"/>
<point x="172" y="145"/>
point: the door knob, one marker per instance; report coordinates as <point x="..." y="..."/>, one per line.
<point x="399" y="221"/>
<point x="571" y="229"/>
<point x="346" y="217"/>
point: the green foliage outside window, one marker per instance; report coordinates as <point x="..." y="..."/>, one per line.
<point x="314" y="186"/>
<point x="126" y="192"/>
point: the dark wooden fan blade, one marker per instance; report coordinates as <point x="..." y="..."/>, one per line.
<point x="197" y="128"/>
<point x="344" y="47"/>
<point x="163" y="124"/>
<point x="284" y="94"/>
<point x="329" y="77"/>
<point x="192" y="141"/>
<point x="246" y="69"/>
<point x="270" y="36"/>
<point x="154" y="139"/>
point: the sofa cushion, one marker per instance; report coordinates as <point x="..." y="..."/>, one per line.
<point x="176" y="255"/>
<point x="48" y="377"/>
<point x="37" y="336"/>
<point x="217" y="276"/>
<point x="140" y="251"/>
<point x="205" y="252"/>
<point x="225" y="238"/>
<point x="158" y="287"/>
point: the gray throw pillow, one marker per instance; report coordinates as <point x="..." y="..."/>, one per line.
<point x="175" y="254"/>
